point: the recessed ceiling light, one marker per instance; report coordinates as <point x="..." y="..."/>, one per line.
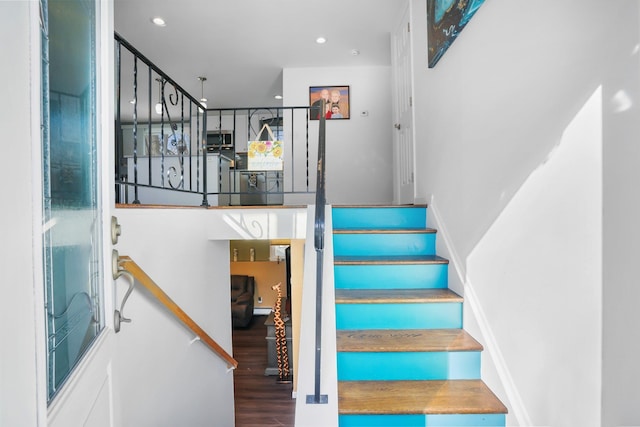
<point x="278" y="97"/>
<point x="321" y="40"/>
<point x="158" y="21"/>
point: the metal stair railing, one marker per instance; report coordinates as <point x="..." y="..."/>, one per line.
<point x="176" y="130"/>
<point x="319" y="226"/>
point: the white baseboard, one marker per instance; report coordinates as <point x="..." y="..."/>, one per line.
<point x="448" y="251"/>
<point x="490" y="342"/>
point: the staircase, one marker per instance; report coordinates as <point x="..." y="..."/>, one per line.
<point x="403" y="357"/>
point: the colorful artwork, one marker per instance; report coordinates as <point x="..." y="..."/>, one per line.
<point x="445" y="20"/>
<point x="265" y="155"/>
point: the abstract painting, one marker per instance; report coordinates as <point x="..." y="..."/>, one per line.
<point x="445" y="20"/>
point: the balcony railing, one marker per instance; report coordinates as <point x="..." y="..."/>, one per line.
<point x="171" y="150"/>
<point x="145" y="120"/>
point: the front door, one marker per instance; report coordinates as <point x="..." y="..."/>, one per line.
<point x="404" y="185"/>
<point x="79" y="341"/>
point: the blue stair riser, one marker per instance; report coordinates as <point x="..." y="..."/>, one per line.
<point x="376" y="244"/>
<point x="399" y="316"/>
<point x="395" y="276"/>
<point x="421" y="420"/>
<point x="389" y="366"/>
<point x="387" y="217"/>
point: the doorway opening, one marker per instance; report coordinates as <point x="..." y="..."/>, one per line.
<point x="258" y="393"/>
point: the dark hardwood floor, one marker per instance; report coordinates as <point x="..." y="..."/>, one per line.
<point x="260" y="400"/>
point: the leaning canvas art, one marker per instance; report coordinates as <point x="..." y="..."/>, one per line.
<point x="445" y="20"/>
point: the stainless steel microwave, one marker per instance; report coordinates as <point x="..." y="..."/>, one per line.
<point x="217" y="139"/>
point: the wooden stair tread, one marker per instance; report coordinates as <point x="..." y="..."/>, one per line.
<point x="418" y="205"/>
<point x="417" y="397"/>
<point x="384" y="231"/>
<point x="392" y="296"/>
<point x="389" y="260"/>
<point x="409" y="340"/>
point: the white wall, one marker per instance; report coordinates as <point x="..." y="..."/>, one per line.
<point x="511" y="125"/>
<point x="359" y="150"/>
<point x="19" y="404"/>
<point x="164" y="380"/>
<point x="621" y="372"/>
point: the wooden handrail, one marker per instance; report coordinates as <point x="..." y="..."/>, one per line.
<point x="129" y="265"/>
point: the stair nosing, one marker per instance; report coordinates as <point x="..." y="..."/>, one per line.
<point x="418" y="206"/>
<point x="396" y="296"/>
<point x="389" y="260"/>
<point x="404" y="340"/>
<point x="408" y="230"/>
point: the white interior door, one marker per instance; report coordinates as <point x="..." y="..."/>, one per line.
<point x="404" y="186"/>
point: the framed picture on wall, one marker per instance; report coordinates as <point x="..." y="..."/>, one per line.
<point x="336" y="99"/>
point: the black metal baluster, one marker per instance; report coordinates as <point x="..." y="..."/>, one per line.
<point x="205" y="199"/>
<point x="135" y="129"/>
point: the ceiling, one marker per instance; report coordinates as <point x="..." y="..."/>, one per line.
<point x="241" y="46"/>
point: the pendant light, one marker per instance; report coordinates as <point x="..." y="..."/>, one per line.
<point x="203" y="100"/>
<point x="159" y="103"/>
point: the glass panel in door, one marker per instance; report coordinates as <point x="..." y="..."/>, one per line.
<point x="72" y="221"/>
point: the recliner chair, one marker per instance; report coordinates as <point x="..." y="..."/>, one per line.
<point x="242" y="290"/>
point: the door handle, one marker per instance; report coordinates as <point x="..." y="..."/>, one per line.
<point x="397" y="126"/>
